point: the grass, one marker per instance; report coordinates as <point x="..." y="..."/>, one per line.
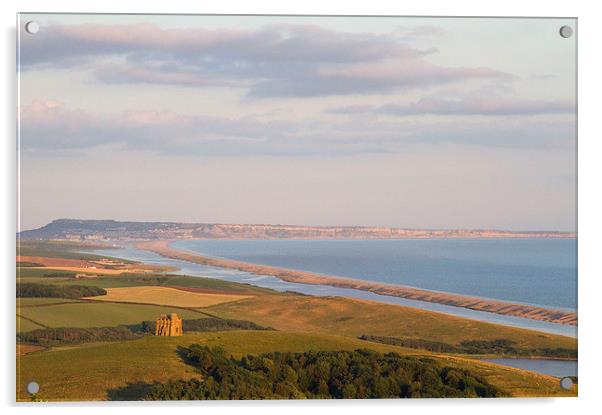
<point x="23" y="349"/>
<point x="103" y="282"/>
<point x="81" y="270"/>
<point x="147" y="279"/>
<point x="97" y="314"/>
<point x="63" y="249"/>
<point x="218" y="285"/>
<point x="25" y="264"/>
<point x="25" y="272"/>
<point x="25" y="325"/>
<point x="123" y="370"/>
<point x="349" y="317"/>
<point x="56" y="252"/>
<point x="166" y="296"/>
<point x="36" y="301"/>
<point x="517" y="382"/>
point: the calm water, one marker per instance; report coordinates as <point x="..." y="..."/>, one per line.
<point x="537" y="271"/>
<point x="518" y="260"/>
<point x="202" y="271"/>
<point x="558" y="368"/>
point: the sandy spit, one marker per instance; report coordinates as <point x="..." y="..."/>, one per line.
<point x="473" y="303"/>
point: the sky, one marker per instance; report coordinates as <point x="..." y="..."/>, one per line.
<point x="373" y="121"/>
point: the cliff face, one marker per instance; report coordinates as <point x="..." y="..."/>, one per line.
<point x="110" y="229"/>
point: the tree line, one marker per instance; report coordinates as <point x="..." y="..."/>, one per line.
<point x="359" y="374"/>
<point x="58" y="291"/>
<point x="203" y="325"/>
<point x="75" y="335"/>
<point x="497" y="346"/>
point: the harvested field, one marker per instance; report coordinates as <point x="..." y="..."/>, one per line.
<point x="88" y="266"/>
<point x="93" y="314"/>
<point x="167" y="296"/>
<point x="60" y="262"/>
<point x="87" y="270"/>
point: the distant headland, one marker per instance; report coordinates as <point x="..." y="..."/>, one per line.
<point x="76" y="229"/>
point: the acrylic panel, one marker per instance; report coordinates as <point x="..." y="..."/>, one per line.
<point x="219" y="207"/>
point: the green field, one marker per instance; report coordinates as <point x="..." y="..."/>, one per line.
<point x="25" y="272"/>
<point x="354" y="318"/>
<point x="102" y="282"/>
<point x="97" y="314"/>
<point x="26" y="325"/>
<point x="62" y="249"/>
<point x="35" y="301"/>
<point x="134" y="280"/>
<point x="286" y="311"/>
<point x="124" y="370"/>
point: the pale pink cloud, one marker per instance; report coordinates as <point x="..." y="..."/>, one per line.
<point x="487" y="106"/>
<point x="273" y="61"/>
<point x="480" y="106"/>
<point x="410" y="71"/>
<point x="48" y="127"/>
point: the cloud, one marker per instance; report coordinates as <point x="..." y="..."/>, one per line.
<point x="273" y="43"/>
<point x="366" y="78"/>
<point x="542" y="76"/>
<point x="273" y="61"/>
<point x="491" y="106"/>
<point x="480" y="106"/>
<point x="49" y="128"/>
<point x="426" y="31"/>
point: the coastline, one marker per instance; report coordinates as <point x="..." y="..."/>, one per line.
<point x="162" y="248"/>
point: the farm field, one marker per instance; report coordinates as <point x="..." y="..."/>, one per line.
<point x="37" y="301"/>
<point x="130" y="279"/>
<point x="125" y="370"/>
<point x="283" y="311"/>
<point x="23" y="349"/>
<point x="24" y="324"/>
<point x="96" y="314"/>
<point x="62" y="257"/>
<point x="352" y="317"/>
<point x="166" y="296"/>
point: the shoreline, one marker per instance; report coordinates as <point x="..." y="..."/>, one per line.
<point x="474" y="303"/>
<point x="111" y="229"/>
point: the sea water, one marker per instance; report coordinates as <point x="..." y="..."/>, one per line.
<point x="257" y="251"/>
<point x="537" y="271"/>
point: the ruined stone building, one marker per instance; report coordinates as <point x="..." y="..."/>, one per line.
<point x="169" y="325"/>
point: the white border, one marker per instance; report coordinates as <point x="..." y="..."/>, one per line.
<point x="590" y="195"/>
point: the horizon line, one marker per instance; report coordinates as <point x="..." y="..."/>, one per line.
<point x="309" y="225"/>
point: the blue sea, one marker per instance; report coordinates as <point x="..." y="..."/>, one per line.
<point x="534" y="271"/>
<point x="537" y="271"/>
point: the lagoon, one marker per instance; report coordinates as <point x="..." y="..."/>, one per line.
<point x="319" y="290"/>
<point x="558" y="368"/>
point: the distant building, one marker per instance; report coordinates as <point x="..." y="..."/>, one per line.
<point x="80" y="276"/>
<point x="169" y="325"/>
